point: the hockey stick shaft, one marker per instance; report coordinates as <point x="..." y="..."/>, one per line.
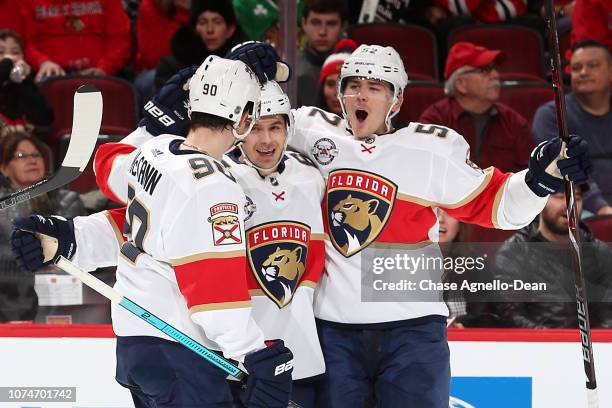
<point x="584" y="324"/>
<point x="86" y="121"/>
<point x="132" y="307"/>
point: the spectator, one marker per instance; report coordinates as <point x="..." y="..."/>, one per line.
<point x="22" y="105"/>
<point x="212" y="30"/>
<point x="156" y="24"/>
<point x="70" y="36"/>
<point x="22" y="164"/>
<point x="452" y="234"/>
<point x="592" y="19"/>
<point x="323" y="23"/>
<point x="498" y="135"/>
<point x="538" y="253"/>
<point x="328" y="78"/>
<point x="589" y="115"/>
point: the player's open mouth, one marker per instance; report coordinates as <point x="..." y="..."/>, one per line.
<point x="267" y="152"/>
<point x="361" y="115"/>
<point x="442" y="230"/>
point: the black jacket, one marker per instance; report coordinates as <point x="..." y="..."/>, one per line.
<point x="528" y="256"/>
<point x="188" y="49"/>
<point x="25" y="101"/>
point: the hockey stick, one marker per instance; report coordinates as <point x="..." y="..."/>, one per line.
<point x="584" y="324"/>
<point x="86" y="121"/>
<point x="115" y="297"/>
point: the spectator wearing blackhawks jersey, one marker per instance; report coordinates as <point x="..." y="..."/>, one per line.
<point x="184" y="257"/>
<point x="80" y="37"/>
<point x="383" y="189"/>
<point x="592" y="20"/>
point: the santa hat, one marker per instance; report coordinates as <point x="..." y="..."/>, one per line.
<point x="333" y="64"/>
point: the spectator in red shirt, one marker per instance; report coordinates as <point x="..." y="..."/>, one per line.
<point x="156" y="23"/>
<point x="71" y="36"/>
<point x="498" y="135"/>
<point x="592" y="19"/>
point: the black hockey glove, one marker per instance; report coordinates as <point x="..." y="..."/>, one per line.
<point x="547" y="165"/>
<point x="269" y="381"/>
<point x="166" y="112"/>
<point x="262" y="59"/>
<point x="27" y="247"/>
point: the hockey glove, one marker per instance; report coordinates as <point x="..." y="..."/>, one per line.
<point x="167" y="111"/>
<point x="547" y="165"/>
<point x="27" y="247"/>
<point x="262" y="59"/>
<point x="269" y="381"/>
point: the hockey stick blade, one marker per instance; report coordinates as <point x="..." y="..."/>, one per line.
<point x="86" y="120"/>
<point x="115" y="297"/>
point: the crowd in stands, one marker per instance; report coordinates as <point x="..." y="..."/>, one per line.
<point x="144" y="42"/>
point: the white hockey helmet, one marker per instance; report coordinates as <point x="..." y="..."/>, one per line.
<point x="374" y="62"/>
<point x="273" y="101"/>
<point x="225" y="88"/>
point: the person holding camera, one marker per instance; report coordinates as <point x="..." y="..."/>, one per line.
<point x="22" y="105"/>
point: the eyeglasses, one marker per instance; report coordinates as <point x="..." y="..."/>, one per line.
<point x="25" y="156"/>
<point x="487" y="69"/>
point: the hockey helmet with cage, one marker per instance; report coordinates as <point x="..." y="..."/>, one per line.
<point x="274" y="101"/>
<point x="225" y="88"/>
<point x="378" y="63"/>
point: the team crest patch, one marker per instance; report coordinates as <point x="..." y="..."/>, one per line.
<point x="324" y="151"/>
<point x="225" y="224"/>
<point x="277" y="253"/>
<point x="359" y="204"/>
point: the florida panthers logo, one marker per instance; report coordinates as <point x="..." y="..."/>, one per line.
<point x="358" y="206"/>
<point x="277" y="254"/>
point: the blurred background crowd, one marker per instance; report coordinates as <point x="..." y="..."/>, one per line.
<point x="477" y="66"/>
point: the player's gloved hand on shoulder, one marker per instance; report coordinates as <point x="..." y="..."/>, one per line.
<point x="166" y="112"/>
<point x="262" y="59"/>
<point x="269" y="381"/>
<point x="549" y="163"/>
<point x="27" y="247"/>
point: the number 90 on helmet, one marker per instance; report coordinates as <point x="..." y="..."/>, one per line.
<point x="225" y="88"/>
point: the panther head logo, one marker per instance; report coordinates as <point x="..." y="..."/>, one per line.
<point x="286" y="267"/>
<point x="358" y="219"/>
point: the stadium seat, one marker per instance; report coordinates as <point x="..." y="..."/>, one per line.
<point x="120" y="106"/>
<point x="601" y="226"/>
<point x="526" y="97"/>
<point x="118" y="117"/>
<point x="418" y="95"/>
<point x="523" y="48"/>
<point x="416" y="45"/>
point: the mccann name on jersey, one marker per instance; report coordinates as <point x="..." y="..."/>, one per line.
<point x="147" y="175"/>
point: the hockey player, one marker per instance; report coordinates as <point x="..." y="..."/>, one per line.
<point x="284" y="236"/>
<point x="384" y="187"/>
<point x="184" y="258"/>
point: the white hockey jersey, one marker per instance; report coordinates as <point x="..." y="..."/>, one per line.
<point x="285" y="241"/>
<point x="382" y="192"/>
<point x="184" y="259"/>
